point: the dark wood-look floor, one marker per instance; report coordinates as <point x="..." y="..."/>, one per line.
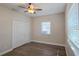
<point x="37" y="49"/>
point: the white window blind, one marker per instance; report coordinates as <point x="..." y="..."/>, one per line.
<point x="73" y="25"/>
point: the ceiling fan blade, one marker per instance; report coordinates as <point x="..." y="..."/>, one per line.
<point x="25" y="11"/>
<point x="21" y="6"/>
<point x="38" y="9"/>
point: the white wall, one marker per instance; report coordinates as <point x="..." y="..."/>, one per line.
<point x="6" y="18"/>
<point x="57" y="35"/>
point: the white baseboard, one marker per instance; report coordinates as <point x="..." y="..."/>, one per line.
<point x="34" y="41"/>
<point x="12" y="48"/>
<point x="48" y="43"/>
<point x="5" y="52"/>
<point x="21" y="44"/>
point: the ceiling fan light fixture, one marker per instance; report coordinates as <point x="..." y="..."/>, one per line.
<point x="31" y="11"/>
<point x="31" y="8"/>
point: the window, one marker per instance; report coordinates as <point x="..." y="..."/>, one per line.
<point x="45" y="28"/>
<point x="73" y="25"/>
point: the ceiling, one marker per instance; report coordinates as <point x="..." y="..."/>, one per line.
<point x="48" y="8"/>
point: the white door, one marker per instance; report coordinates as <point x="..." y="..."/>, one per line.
<point x="19" y="33"/>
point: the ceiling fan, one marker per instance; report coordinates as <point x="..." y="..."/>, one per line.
<point x="30" y="8"/>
